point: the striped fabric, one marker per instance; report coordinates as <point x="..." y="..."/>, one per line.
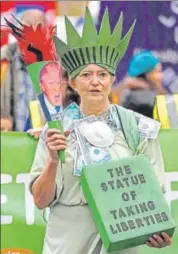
<point x="103" y="55"/>
<point x="166" y="111"/>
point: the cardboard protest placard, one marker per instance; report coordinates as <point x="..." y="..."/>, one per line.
<point x="126" y="202"/>
<point x="46" y="77"/>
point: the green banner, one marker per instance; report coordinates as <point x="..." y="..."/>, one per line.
<point x="23" y="226"/>
<point x="168" y="139"/>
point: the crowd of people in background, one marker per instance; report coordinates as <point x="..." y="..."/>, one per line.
<point x="137" y="91"/>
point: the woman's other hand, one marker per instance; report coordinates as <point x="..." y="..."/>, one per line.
<point x="157" y="241"/>
<point x="36" y="133"/>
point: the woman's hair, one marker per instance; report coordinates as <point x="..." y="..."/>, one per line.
<point x="71" y="96"/>
<point x="143" y="76"/>
<point x="65" y="75"/>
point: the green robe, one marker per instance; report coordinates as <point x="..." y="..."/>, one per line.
<point x="70" y="227"/>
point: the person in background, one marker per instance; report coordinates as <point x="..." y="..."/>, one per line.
<point x="144" y="82"/>
<point x="166" y="110"/>
<point x="17" y="89"/>
<point x="6" y="121"/>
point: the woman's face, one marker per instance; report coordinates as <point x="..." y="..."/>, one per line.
<point x="155" y="77"/>
<point x="93" y="83"/>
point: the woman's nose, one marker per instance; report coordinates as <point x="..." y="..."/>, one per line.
<point x="95" y="80"/>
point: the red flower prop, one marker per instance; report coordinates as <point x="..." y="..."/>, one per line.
<point x="35" y="44"/>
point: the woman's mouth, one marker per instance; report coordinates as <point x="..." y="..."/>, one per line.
<point x="94" y="91"/>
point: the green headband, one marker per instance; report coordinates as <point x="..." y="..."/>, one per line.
<point x="103" y="48"/>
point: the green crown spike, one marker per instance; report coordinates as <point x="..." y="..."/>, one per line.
<point x="105" y="30"/>
<point x="61" y="47"/>
<point x="73" y="37"/>
<point x="123" y="45"/>
<point x="117" y="33"/>
<point x="103" y="48"/>
<point x="89" y="28"/>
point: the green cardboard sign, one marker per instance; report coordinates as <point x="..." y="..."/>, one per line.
<point x="126" y="202"/>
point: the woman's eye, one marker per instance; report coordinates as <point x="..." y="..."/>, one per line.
<point x="103" y="74"/>
<point x="86" y="75"/>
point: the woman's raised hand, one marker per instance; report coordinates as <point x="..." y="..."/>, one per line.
<point x="55" y="142"/>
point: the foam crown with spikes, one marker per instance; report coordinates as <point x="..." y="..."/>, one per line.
<point x="103" y="48"/>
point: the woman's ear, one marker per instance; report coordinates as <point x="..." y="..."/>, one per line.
<point x="72" y="84"/>
<point x="113" y="79"/>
